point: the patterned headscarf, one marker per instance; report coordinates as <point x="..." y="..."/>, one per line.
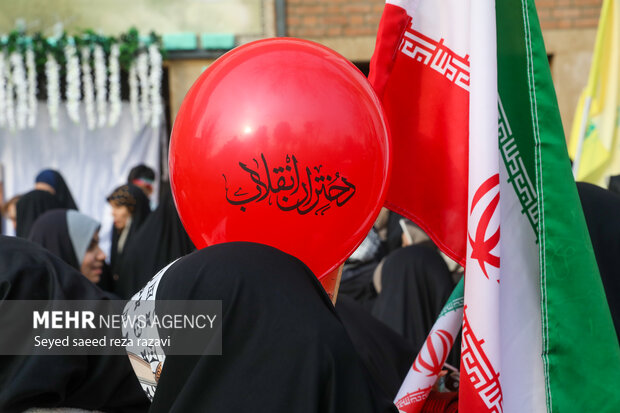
<point x="123" y="196"/>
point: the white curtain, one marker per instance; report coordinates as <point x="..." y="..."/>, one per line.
<point x="93" y="162"/>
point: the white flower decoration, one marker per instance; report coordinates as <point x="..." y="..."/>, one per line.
<point x="101" y="80"/>
<point x="115" y="85"/>
<point x="73" y="92"/>
<point x="89" y="96"/>
<point x="32" y="88"/>
<point x="52" y="74"/>
<point x="21" y="88"/>
<point x="155" y="80"/>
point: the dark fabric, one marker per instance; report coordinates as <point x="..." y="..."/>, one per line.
<point x="357" y="283"/>
<point x="29" y="272"/>
<point x="415" y="284"/>
<point x="614" y="184"/>
<point x="138" y="204"/>
<point x="284" y="348"/>
<point x="51" y="232"/>
<point x="386" y="355"/>
<point x="30" y="206"/>
<point x="394" y="232"/>
<point x="602" y="211"/>
<point x="158" y="242"/>
<point x="63" y="193"/>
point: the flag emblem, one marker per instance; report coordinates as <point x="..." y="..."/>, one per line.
<point x="437" y="345"/>
<point x="481" y="246"/>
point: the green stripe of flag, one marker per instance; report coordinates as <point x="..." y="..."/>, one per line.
<point x="580" y="349"/>
<point x="455" y="301"/>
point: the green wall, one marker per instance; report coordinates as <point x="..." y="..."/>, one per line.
<point x="111" y="17"/>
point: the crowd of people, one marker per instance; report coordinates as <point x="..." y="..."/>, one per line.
<point x="49" y="216"/>
<point x="286" y="347"/>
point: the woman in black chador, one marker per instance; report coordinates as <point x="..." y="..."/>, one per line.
<point x="53" y="182"/>
<point x="415" y="285"/>
<point x="160" y="240"/>
<point x="130" y="208"/>
<point x="73" y="237"/>
<point x="30" y="207"/>
<point x="283" y="347"/>
<point x="102" y="383"/>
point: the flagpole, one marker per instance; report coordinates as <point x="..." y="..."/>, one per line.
<point x="582" y="135"/>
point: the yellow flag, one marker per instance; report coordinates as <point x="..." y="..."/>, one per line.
<point x="595" y="138"/>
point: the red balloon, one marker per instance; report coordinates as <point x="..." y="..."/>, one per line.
<point x="281" y="142"/>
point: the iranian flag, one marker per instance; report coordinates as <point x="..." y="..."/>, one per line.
<point x="480" y="163"/>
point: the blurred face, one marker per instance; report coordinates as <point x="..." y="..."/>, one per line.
<point x="92" y="263"/>
<point x="146" y="188"/>
<point x="45" y="187"/>
<point x="11" y="213"/>
<point x="121" y="215"/>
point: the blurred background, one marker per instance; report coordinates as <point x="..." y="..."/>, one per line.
<point x="95" y="149"/>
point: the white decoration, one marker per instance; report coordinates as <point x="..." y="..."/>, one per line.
<point x="73" y="92"/>
<point x="32" y="88"/>
<point x="10" y="101"/>
<point x="115" y="85"/>
<point x="89" y="96"/>
<point x="52" y="75"/>
<point x="3" y="85"/>
<point x="101" y="80"/>
<point x="21" y="88"/>
<point x="133" y="96"/>
<point x="142" y="65"/>
<point x="155" y="80"/>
